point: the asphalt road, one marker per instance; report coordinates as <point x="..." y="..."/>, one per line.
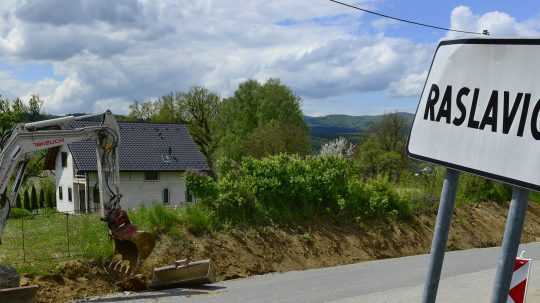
<point x="467" y="277"/>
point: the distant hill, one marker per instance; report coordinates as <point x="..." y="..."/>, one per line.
<point x="325" y="128"/>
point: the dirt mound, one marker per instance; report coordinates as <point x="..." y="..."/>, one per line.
<point x="73" y="280"/>
<point x="241" y="253"/>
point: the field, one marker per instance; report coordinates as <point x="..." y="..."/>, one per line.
<point x="37" y="243"/>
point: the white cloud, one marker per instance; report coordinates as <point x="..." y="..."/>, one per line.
<point x="409" y="86"/>
<point x="119" y="51"/>
<point x="108" y="53"/>
<point x="383" y="23"/>
<point x="499" y="24"/>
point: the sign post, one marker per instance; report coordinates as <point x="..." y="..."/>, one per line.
<point x="440" y="235"/>
<point x="510" y="245"/>
<point x="479" y="112"/>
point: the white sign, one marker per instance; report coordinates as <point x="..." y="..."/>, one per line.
<point x="480" y="110"/>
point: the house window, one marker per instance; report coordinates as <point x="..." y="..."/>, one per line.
<point x="166" y="196"/>
<point x="151" y="176"/>
<point x="70" y="195"/>
<point x="64" y="158"/>
<point x="60" y="194"/>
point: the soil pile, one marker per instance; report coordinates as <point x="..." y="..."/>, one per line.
<point x="241" y="253"/>
<point x="73" y="280"/>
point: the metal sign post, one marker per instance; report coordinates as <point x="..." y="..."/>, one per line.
<point x="440" y="235"/>
<point x="512" y="235"/>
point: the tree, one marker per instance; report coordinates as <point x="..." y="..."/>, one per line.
<point x="166" y="109"/>
<point x="274" y="138"/>
<point x="199" y="109"/>
<point x="34" y="108"/>
<point x="41" y="198"/>
<point x="382" y="151"/>
<point x="391" y="132"/>
<point x="34" y="198"/>
<point x="256" y="109"/>
<point x="18" y="202"/>
<point x="47" y="192"/>
<point x="27" y="202"/>
<point x="52" y="198"/>
<point x="141" y="111"/>
<point x="339" y="147"/>
<point x="11" y="112"/>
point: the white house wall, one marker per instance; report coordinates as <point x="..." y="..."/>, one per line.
<point x="64" y="178"/>
<point x="136" y="191"/>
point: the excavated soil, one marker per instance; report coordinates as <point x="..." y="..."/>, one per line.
<point x="73" y="280"/>
<point x="242" y="253"/>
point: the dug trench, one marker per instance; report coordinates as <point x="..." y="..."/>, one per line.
<point x="239" y="253"/>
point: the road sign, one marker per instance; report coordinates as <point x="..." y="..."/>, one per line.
<point x="520" y="276"/>
<point x="480" y="110"/>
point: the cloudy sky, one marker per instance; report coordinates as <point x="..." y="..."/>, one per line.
<point x="89" y="55"/>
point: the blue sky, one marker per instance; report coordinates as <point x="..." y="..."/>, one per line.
<point x="430" y="12"/>
<point x="98" y="54"/>
<point x="438" y="13"/>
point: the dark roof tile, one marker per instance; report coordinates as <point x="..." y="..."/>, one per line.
<point x="145" y="147"/>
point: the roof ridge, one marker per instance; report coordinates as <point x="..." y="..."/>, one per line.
<point x="152" y="123"/>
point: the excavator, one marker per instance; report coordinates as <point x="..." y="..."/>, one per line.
<point x="131" y="246"/>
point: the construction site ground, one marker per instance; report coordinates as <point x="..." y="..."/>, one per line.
<point x="239" y="253"/>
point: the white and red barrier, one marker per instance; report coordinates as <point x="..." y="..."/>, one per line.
<point x="518" y="286"/>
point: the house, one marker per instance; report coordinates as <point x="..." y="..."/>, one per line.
<point x="153" y="161"/>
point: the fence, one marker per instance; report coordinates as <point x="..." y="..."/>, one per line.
<point x="50" y="235"/>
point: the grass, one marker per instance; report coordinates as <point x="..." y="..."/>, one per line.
<point x="534" y="196"/>
<point x="52" y="237"/>
<point x="164" y="220"/>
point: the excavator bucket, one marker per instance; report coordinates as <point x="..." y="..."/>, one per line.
<point x="131" y="246"/>
<point x="135" y="249"/>
<point x="183" y="272"/>
<point x="24" y="294"/>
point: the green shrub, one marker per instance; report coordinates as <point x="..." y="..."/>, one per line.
<point x="203" y="187"/>
<point x="476" y="189"/>
<point x="236" y="201"/>
<point x="285" y="188"/>
<point x="157" y="218"/>
<point x="375" y="198"/>
<point x="384" y="200"/>
<point x="17" y="213"/>
<point x="278" y="189"/>
<point x="357" y="199"/>
<point x="281" y="188"/>
<point x="197" y="219"/>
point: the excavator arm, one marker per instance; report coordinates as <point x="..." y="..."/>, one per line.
<point x="133" y="245"/>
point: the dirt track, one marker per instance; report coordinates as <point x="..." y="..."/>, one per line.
<point x="241" y="253"/>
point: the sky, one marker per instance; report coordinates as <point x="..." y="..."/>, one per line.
<point x="92" y="55"/>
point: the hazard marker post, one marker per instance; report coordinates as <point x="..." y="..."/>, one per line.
<point x="520" y="280"/>
<point x="479" y="113"/>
